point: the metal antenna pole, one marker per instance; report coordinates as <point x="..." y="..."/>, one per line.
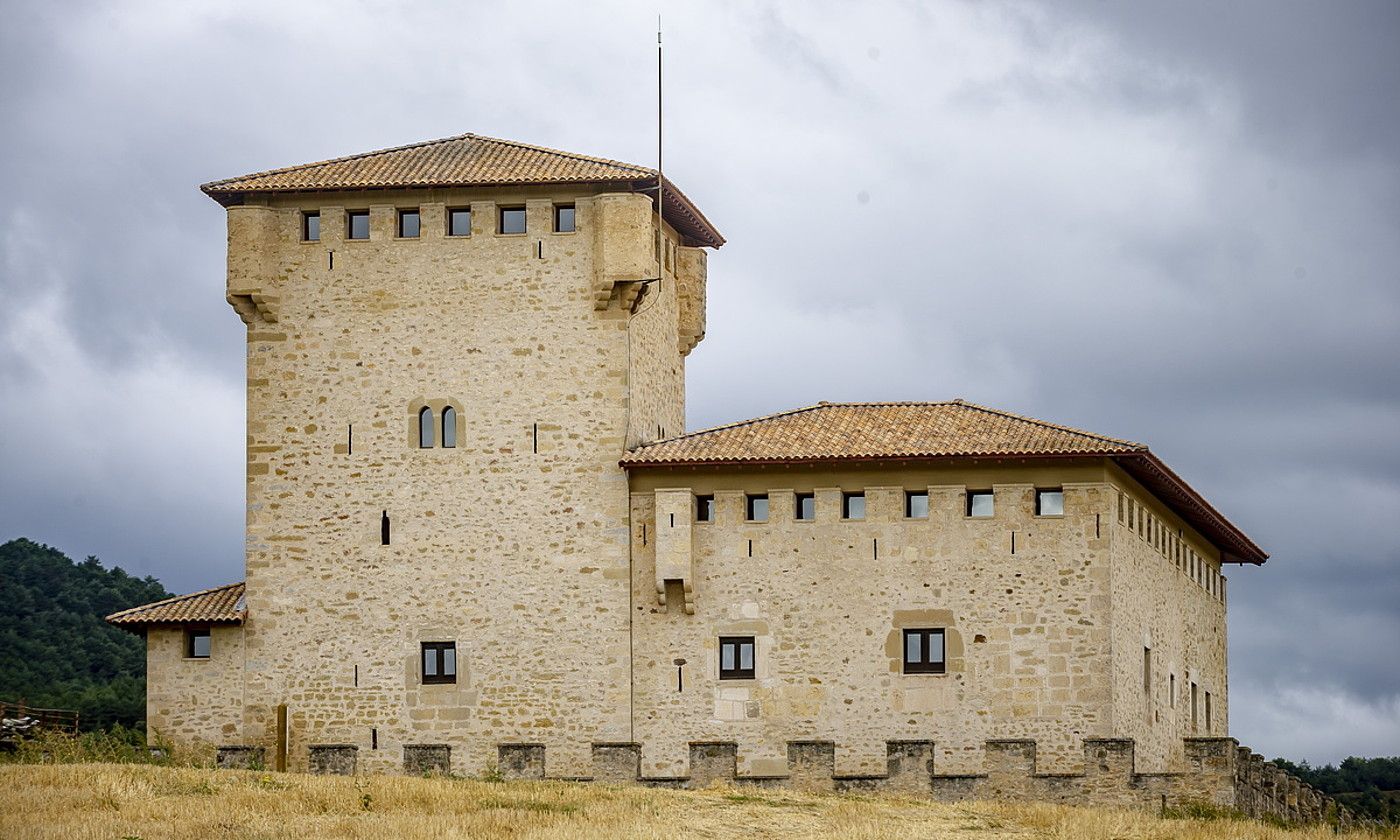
<point x="660" y="180"/>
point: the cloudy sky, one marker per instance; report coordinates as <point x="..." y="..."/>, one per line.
<point x="1177" y="223"/>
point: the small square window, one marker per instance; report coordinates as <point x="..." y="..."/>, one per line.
<point x="198" y="644"/>
<point x="439" y="662"/>
<point x="915" y="504"/>
<point x="408" y="224"/>
<point x="756" y="508"/>
<point x="852" y="505"/>
<point x="512" y="220"/>
<point x="563" y="218"/>
<point x="357" y="224"/>
<point x="311" y="227"/>
<point x="980" y="503"/>
<point x="805" y="509"/>
<point x="704" y="508"/>
<point x="1049" y="503"/>
<point x="923" y="651"/>
<point x="736" y="658"/>
<point x="459" y="221"/>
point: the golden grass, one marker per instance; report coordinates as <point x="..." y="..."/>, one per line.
<point x="123" y="801"/>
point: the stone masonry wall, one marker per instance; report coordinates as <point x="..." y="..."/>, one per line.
<point x="1167" y="599"/>
<point x="513" y="544"/>
<point x="194" y="702"/>
<point x="1027" y="633"/>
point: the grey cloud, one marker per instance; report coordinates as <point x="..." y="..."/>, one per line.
<point x="1172" y="223"/>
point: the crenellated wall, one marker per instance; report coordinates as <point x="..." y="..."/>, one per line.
<point x="1217" y="773"/>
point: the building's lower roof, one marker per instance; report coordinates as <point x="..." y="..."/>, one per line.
<point x="898" y="431"/>
<point x="467" y="160"/>
<point x="220" y="605"/>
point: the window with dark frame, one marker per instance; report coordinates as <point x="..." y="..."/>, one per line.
<point x="198" y="643"/>
<point x="409" y="224"/>
<point x="756" y="508"/>
<point x="449" y="427"/>
<point x="439" y="662"/>
<point x="704" y="508"/>
<point x="311" y="227"/>
<point x="804" y="507"/>
<point x="736" y="657"/>
<point x="852" y="505"/>
<point x="1050" y="502"/>
<point x="980" y="503"/>
<point x="564" y="218"/>
<point x="459" y="221"/>
<point x="357" y="224"/>
<point x="923" y="651"/>
<point x="512" y="220"/>
<point x="425" y="428"/>
<point x="915" y="504"/>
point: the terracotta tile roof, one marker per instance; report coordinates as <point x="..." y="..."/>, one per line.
<point x="467" y="160"/>
<point x="862" y="431"/>
<point x="221" y="605"/>
<point x="830" y="432"/>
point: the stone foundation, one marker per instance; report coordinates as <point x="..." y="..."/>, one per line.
<point x="333" y="759"/>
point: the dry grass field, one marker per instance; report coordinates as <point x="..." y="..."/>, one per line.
<point x="125" y="801"/>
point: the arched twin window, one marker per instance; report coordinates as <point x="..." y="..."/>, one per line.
<point x="427" y="428"/>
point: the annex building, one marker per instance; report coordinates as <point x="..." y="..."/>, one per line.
<point x="479" y="535"/>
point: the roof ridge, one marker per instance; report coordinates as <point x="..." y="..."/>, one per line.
<point x="561" y="153"/>
<point x="143" y="607"/>
<point x="641" y="170"/>
<point x="734" y="425"/>
<point x="1141" y="447"/>
<point x="300" y="166"/>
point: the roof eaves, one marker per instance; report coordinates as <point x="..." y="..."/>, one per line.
<point x="132" y="615"/>
<point x="1239" y="547"/>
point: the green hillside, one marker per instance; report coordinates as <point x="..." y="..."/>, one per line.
<point x="55" y="650"/>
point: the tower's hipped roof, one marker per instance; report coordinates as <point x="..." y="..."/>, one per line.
<point x="920" y="431"/>
<point x="467" y="160"/>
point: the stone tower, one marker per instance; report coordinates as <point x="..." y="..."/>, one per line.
<point x="450" y="347"/>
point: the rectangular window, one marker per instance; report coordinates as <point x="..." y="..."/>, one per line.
<point x="756" y="508"/>
<point x="357" y="224"/>
<point x="459" y="221"/>
<point x="512" y="220"/>
<point x="852" y="505"/>
<point x="915" y="504"/>
<point x="1193" y="707"/>
<point x="923" y="652"/>
<point x="408" y="224"/>
<point x="704" y="508"/>
<point x="563" y="218"/>
<point x="311" y="227"/>
<point x="736" y="657"/>
<point x="1207" y="712"/>
<point x="806" y="507"/>
<point x="980" y="503"/>
<point x="197" y="643"/>
<point x="439" y="662"/>
<point x="1049" y="503"/>
<point x="1171" y="691"/>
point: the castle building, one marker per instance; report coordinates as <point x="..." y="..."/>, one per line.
<point x="479" y="535"/>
